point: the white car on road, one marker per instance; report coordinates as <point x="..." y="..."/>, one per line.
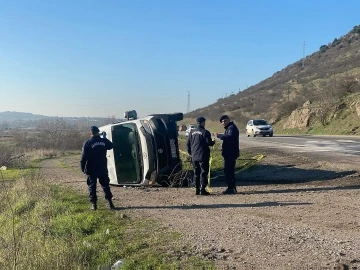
<point x="189" y="129"/>
<point x="259" y="127"/>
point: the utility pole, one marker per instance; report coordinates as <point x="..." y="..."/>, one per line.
<point x="188" y="103"/>
<point x="303" y="59"/>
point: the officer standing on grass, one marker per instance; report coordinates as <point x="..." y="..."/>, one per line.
<point x="198" y="143"/>
<point x="94" y="164"/>
<point x="230" y="152"/>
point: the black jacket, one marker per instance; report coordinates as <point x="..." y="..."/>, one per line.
<point x="198" y="144"/>
<point x="230" y="146"/>
<point x="93" y="158"/>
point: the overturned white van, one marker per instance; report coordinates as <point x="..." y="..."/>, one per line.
<point x="146" y="150"/>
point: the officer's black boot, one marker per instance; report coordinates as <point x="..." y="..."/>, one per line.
<point x="204" y="192"/>
<point x="229" y="190"/>
<point x="111" y="205"/>
<point x="93" y="206"/>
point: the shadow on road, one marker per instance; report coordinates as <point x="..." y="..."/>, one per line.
<point x="215" y="206"/>
<point x="277" y="174"/>
<point x="291" y="190"/>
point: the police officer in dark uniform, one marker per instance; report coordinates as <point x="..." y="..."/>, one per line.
<point x="198" y="143"/>
<point x="230" y="152"/>
<point x="94" y="164"/>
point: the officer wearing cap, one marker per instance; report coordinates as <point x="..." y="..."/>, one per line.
<point x="230" y="152"/>
<point x="198" y="143"/>
<point x="94" y="164"/>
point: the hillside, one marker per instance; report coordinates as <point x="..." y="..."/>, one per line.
<point x="13" y="116"/>
<point x="12" y="119"/>
<point x="319" y="88"/>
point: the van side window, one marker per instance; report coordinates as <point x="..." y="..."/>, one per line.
<point x="160" y="123"/>
<point x="146" y="126"/>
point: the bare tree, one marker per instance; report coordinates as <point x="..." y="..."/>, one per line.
<point x="348" y="85"/>
<point x="58" y="134"/>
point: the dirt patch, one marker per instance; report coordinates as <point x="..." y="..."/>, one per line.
<point x="291" y="212"/>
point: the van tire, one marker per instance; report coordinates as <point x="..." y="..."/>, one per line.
<point x="163" y="184"/>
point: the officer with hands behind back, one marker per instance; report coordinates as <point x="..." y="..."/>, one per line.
<point x="198" y="143"/>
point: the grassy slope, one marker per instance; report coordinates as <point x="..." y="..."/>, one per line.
<point x="344" y="121"/>
<point x="49" y="227"/>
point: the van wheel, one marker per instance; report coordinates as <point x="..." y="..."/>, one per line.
<point x="271" y="135"/>
<point x="164" y="184"/>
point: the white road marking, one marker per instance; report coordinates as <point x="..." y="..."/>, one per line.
<point x="347" y="141"/>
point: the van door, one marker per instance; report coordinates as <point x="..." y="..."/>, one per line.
<point x="109" y="155"/>
<point x="127" y="153"/>
<point x="110" y="160"/>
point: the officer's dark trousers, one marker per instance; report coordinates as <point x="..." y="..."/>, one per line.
<point x="229" y="171"/>
<point x="104" y="182"/>
<point x="201" y="170"/>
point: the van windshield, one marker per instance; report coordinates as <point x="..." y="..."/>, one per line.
<point x="127" y="153"/>
<point x="260" y="123"/>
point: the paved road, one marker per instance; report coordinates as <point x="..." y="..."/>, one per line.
<point x="348" y="145"/>
<point x="340" y="150"/>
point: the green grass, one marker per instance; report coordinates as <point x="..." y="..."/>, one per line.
<point x="14" y="173"/>
<point x="50" y="227"/>
<point x="345" y="123"/>
<point x="61" y="163"/>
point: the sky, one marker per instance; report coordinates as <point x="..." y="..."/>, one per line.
<point x="102" y="58"/>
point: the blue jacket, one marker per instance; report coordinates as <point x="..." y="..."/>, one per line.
<point x="198" y="144"/>
<point x="93" y="159"/>
<point x="230" y="146"/>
